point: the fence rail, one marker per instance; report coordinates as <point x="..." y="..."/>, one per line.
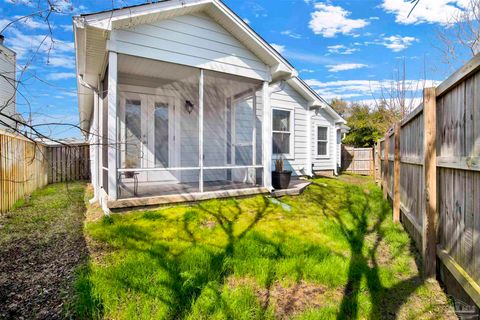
<point x="429" y="168"/>
<point x="358" y="160"/>
<point x="26" y="166"/>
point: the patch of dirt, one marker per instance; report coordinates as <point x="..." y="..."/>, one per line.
<point x="38" y="263"/>
<point x="290" y="300"/>
<point x="354" y="179"/>
<point x="208" y="224"/>
<point x="35" y="277"/>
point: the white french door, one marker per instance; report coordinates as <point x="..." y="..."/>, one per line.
<point x="148" y="135"/>
<point x="243" y="137"/>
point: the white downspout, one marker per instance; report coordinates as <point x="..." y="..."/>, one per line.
<point x="309" y="170"/>
<point x="95" y="126"/>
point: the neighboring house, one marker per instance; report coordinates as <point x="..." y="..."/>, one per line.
<point x="182" y="100"/>
<point x="7" y="87"/>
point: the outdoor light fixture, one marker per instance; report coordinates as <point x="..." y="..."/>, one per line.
<point x="189" y="106"/>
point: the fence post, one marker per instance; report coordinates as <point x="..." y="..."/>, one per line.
<point x="430" y="176"/>
<point x="385" y="165"/>
<point x="396" y="175"/>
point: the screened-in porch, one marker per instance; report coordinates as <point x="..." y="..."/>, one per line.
<point x="184" y="130"/>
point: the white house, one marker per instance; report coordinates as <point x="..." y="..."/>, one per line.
<point x="7" y="87"/>
<point x="182" y="100"/>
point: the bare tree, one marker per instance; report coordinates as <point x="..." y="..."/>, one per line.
<point x="399" y="95"/>
<point x="460" y="39"/>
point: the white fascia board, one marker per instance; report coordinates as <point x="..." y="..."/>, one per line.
<point x="105" y="20"/>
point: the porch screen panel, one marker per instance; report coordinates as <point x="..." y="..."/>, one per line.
<point x="231" y="129"/>
<point x="159" y="126"/>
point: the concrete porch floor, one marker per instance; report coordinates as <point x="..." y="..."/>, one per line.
<point x="159" y="194"/>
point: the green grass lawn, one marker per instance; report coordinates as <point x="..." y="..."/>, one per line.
<point x="332" y="252"/>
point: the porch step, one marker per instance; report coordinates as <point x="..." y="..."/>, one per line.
<point x="295" y="190"/>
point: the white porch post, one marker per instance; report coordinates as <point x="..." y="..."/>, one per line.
<point x="267" y="137"/>
<point x="200" y="130"/>
<point x="112" y="125"/>
<point x="309" y="170"/>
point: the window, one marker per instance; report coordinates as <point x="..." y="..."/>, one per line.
<point x="322" y="141"/>
<point x="282" y="132"/>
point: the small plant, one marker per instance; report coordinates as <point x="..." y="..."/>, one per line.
<point x="280" y="176"/>
<point x="279" y="165"/>
<point x="130" y="164"/>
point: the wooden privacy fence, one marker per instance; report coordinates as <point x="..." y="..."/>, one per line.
<point x="68" y="162"/>
<point x="23" y="169"/>
<point x="26" y="166"/>
<point x="358" y="160"/>
<point x="430" y="169"/>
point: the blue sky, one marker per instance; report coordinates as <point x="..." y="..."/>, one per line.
<point x="345" y="49"/>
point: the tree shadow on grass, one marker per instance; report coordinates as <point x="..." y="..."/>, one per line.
<point x="190" y="268"/>
<point x="355" y="228"/>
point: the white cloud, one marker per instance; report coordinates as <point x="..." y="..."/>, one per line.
<point x="278" y="47"/>
<point x="291" y="34"/>
<point x="341" y="49"/>
<point x="307" y="71"/>
<point x="361" y="90"/>
<point x="328" y="20"/>
<point x="65" y="61"/>
<point x="426" y="11"/>
<point x="247" y="21"/>
<point x="23" y="44"/>
<point x="345" y="67"/>
<point x="31" y="23"/>
<point x="398" y="43"/>
<point x="60" y="75"/>
<point x="308" y="57"/>
<point x="66" y="27"/>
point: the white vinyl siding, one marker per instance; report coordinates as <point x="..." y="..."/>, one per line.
<point x="193" y="40"/>
<point x="322" y="119"/>
<point x="289" y="99"/>
<point x="7" y="86"/>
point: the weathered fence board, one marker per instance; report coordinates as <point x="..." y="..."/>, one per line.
<point x="68" y="162"/>
<point x="441" y="213"/>
<point x="26" y="166"/>
<point x="358" y="160"/>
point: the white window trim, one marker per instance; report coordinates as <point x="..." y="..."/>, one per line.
<point x="291" y="155"/>
<point x="325" y="156"/>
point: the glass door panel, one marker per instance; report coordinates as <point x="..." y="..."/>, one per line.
<point x="133" y="133"/>
<point x="161" y="119"/>
<point x="161" y="136"/>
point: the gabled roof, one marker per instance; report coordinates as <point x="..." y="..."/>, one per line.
<point x="93" y="30"/>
